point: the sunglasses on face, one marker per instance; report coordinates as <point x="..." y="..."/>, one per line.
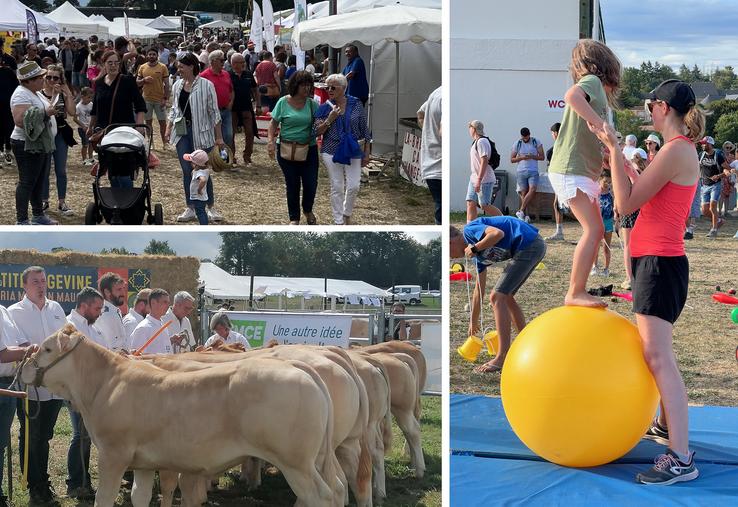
<point x="650" y="104"/>
<point x="52" y="78"/>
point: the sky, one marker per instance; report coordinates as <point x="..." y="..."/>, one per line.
<point x="672" y="32"/>
<point x="200" y="244"/>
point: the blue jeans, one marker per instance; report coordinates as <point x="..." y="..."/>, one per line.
<point x="226" y="126"/>
<point x="59" y="156"/>
<point x="7" y="410"/>
<point x="200" y="213"/>
<point x="296" y="173"/>
<point x="185" y="145"/>
<point x="78" y="467"/>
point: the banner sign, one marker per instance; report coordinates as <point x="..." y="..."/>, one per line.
<point x="268" y="20"/>
<point x="64" y="282"/>
<point x="31" y="27"/>
<point x="322" y="329"/>
<point x="257" y="28"/>
<point x="300" y="15"/>
<point x="410" y="165"/>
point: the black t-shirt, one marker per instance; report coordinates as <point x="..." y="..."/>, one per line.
<point x="8" y="84"/>
<point x="183" y="104"/>
<point x="549" y="154"/>
<point x="711" y="165"/>
<point x="242" y="87"/>
<point x="80" y="58"/>
<point x="128" y="101"/>
<point x="10" y="61"/>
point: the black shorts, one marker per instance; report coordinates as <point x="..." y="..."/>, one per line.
<point x="660" y="286"/>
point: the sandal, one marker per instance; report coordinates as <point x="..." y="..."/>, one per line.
<point x="487" y="368"/>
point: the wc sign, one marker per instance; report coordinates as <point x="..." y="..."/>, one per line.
<point x="555" y="104"/>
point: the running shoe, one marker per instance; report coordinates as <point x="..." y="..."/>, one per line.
<point x="669" y="469"/>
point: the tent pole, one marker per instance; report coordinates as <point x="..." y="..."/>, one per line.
<point x="397" y="106"/>
<point x="369" y="106"/>
<point x="251" y="293"/>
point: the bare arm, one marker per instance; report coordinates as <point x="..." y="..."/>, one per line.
<point x="476" y="301"/>
<point x="273" y="125"/>
<point x="540" y="155"/>
<point x="577" y="99"/>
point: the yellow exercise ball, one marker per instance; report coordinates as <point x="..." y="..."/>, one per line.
<point x="575" y="387"/>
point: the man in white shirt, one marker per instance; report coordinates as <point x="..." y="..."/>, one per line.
<point x="162" y="344"/>
<point x="37" y="318"/>
<point x="83" y="317"/>
<point x="9" y="352"/>
<point x="429" y="116"/>
<point x="138" y="313"/>
<point x="180" y="327"/>
<point x="113" y="289"/>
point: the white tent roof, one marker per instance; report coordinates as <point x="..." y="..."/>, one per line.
<point x="118" y="28"/>
<point x="220" y="284"/>
<point x="73" y="23"/>
<point x="321" y="9"/>
<point x="394" y="23"/>
<point x="218" y="23"/>
<point x="13" y="18"/>
<point x="163" y="23"/>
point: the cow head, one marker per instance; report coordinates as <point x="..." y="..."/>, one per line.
<point x="52" y="350"/>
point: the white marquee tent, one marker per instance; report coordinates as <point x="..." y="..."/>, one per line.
<point x="72" y="23"/>
<point x="13" y="18"/>
<point x="135" y="29"/>
<point x="219" y="23"/>
<point x="166" y="24"/>
<point x="401" y="75"/>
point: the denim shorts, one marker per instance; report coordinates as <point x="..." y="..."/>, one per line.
<point x="484" y="197"/>
<point x="711" y="192"/>
<point x="526" y="179"/>
<point x="695" y="211"/>
<point x="608" y="222"/>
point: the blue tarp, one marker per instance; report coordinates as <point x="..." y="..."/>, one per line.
<point x="491" y="467"/>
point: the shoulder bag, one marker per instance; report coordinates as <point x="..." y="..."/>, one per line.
<point x="292" y="150"/>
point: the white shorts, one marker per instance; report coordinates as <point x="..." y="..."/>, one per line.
<point x="566" y="186"/>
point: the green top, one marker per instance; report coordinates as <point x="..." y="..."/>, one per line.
<point x="577" y="151"/>
<point x="296" y="125"/>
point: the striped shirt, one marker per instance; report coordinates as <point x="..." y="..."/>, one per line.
<point x="203" y="103"/>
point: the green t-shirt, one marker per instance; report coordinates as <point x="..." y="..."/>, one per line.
<point x="577" y="150"/>
<point x="296" y="125"/>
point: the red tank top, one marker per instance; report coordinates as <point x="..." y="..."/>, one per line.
<point x="659" y="229"/>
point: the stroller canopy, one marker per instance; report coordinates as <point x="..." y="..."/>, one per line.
<point x="124" y="139"/>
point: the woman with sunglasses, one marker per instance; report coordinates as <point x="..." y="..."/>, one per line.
<point x="660" y="268"/>
<point x="342" y="113"/>
<point x="56" y="93"/>
<point x="297" y="153"/>
<point x="653" y="145"/>
<point x="117" y="100"/>
<point x="31" y="162"/>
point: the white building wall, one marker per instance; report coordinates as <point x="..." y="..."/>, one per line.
<point x="509" y="69"/>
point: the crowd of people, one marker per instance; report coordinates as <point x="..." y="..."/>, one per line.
<point x="97" y="314"/>
<point x="203" y="92"/>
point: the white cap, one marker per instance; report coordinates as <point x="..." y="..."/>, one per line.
<point x="638" y="151"/>
<point x="654" y="139"/>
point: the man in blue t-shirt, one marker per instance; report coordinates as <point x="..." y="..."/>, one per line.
<point x="497" y="239"/>
<point x="355" y="73"/>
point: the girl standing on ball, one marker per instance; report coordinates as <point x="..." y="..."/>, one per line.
<point x="660" y="268"/>
<point x="576" y="164"/>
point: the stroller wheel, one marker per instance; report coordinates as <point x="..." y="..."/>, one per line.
<point x="158" y="214"/>
<point x="91" y="214"/>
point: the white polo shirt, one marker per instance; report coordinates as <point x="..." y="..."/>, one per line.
<point x="131" y="320"/>
<point x="89" y="330"/>
<point x="9" y="337"/>
<point x="145" y="330"/>
<point x="110" y="324"/>
<point x="233" y="337"/>
<point x="177" y="326"/>
<point x="35" y="325"/>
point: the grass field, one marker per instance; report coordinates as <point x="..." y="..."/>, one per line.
<point x="403" y="489"/>
<point x="705" y="339"/>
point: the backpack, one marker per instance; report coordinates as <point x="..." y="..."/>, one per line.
<point x="494" y="157"/>
<point x="520" y="142"/>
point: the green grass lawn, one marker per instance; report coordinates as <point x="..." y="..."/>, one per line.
<point x="403" y="489"/>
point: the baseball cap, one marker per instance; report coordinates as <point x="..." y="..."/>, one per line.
<point x="708" y="140"/>
<point x="654" y="139"/>
<point x="197" y="157"/>
<point x="640" y="152"/>
<point x="676" y="93"/>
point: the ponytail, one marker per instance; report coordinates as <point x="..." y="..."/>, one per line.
<point x="695" y="122"/>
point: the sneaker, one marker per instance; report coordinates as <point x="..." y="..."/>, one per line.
<point x="8" y="157"/>
<point x="520" y="215"/>
<point x="187" y="216"/>
<point x="88" y="162"/>
<point x="527" y="219"/>
<point x="558" y="236"/>
<point x="23" y="222"/>
<point x="626" y="285"/>
<point x="712" y="234"/>
<point x="595" y="271"/>
<point x="668" y="469"/>
<point x="657" y="433"/>
<point x="688" y="235"/>
<point x="43" y="220"/>
<point x="214" y="215"/>
<point x="65" y="210"/>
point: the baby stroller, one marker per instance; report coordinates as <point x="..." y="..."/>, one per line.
<point x="123" y="152"/>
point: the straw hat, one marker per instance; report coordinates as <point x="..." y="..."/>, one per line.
<point x="217" y="162"/>
<point x="29" y="70"/>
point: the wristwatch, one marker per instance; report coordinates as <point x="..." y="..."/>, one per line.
<point x="474" y="249"/>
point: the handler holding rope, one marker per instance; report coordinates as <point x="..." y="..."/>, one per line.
<point x="151" y="325"/>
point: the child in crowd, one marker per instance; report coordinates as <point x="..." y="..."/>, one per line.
<point x="93" y="67"/>
<point x="607" y="213"/>
<point x="84" y="108"/>
<point x="200" y="175"/>
<point x="577" y="159"/>
<point x="728" y="181"/>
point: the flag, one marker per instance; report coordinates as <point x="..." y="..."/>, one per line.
<point x="300" y="15"/>
<point x="268" y="25"/>
<point x="31" y="26"/>
<point x="256" y="28"/>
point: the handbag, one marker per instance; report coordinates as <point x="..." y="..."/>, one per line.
<point x="348" y="147"/>
<point x="292" y="150"/>
<point x="180" y="124"/>
<point x="97" y="136"/>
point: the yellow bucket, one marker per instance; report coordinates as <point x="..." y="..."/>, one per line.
<point x="490" y="340"/>
<point x="470" y="349"/>
<point x="457" y="268"/>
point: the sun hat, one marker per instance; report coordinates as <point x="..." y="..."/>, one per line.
<point x="29" y="70"/>
<point x="654" y="139"/>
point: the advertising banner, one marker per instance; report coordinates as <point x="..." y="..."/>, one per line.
<point x="410" y="165"/>
<point x="293" y="328"/>
<point x="31" y="26"/>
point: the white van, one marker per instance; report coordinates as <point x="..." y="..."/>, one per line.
<point x="409" y="294"/>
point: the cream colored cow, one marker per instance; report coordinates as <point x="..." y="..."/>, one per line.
<point x="201" y="422"/>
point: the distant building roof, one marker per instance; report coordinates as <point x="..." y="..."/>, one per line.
<point x="706" y="92"/>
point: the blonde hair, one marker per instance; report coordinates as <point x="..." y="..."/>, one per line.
<point x="55" y="67"/>
<point x="695" y="122"/>
<point x="639" y="163"/>
<point x="595" y="58"/>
